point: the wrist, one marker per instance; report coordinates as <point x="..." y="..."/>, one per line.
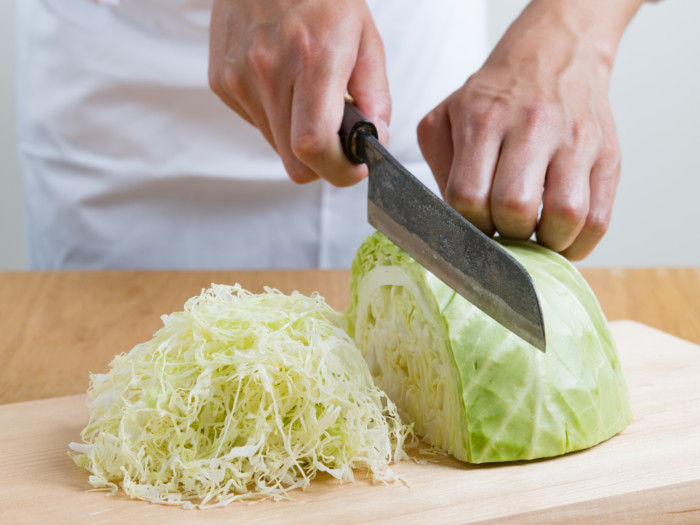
<point x="594" y="26"/>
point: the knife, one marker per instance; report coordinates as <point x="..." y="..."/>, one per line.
<point x="439" y="238"/>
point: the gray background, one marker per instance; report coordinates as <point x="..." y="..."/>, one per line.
<point x="654" y="93"/>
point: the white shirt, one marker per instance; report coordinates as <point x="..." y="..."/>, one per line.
<point x="129" y="161"/>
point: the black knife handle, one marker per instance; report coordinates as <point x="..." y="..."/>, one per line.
<point x="353" y="124"/>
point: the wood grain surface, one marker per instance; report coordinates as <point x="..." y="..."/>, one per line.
<point x="650" y="473"/>
<point x="58" y="326"/>
<point x="665" y="298"/>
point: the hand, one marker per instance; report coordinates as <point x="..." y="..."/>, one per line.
<point x="533" y="127"/>
<point x="285" y="66"/>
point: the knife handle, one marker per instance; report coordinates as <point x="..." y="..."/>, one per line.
<point x="353" y="124"/>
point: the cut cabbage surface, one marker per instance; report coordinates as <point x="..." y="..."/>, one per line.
<point x="470" y="386"/>
<point x="239" y="396"/>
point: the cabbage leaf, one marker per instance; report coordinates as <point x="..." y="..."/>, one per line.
<point x="470" y="386"/>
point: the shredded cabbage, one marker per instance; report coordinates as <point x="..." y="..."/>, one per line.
<point x="239" y="396"/>
<point x="471" y="387"/>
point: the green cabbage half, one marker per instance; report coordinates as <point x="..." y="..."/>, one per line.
<point x="470" y="386"/>
<point x="239" y="396"/>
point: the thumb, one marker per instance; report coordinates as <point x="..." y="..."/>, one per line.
<point x="368" y="84"/>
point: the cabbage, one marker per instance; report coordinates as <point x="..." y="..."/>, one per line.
<point x="471" y="387"/>
<point x="239" y="396"/>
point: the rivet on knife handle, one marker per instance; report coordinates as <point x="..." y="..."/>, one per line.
<point x="354" y="123"/>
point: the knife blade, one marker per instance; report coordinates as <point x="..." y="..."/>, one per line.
<point x="439" y="238"/>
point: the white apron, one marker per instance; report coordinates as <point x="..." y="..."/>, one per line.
<point x="129" y="161"/>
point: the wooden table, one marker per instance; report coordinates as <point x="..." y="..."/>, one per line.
<point x="55" y="327"/>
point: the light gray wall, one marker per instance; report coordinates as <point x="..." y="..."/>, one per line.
<point x="655" y="92"/>
<point x="12" y="250"/>
<point x="655" y="89"/>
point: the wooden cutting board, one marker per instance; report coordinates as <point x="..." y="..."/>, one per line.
<point x="649" y="473"/>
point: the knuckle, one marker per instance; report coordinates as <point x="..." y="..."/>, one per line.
<point x="585" y="135"/>
<point x="229" y="81"/>
<point x="301" y="175"/>
<point x="539" y="113"/>
<point x="482" y="106"/>
<point x="215" y="83"/>
<point x="222" y="74"/>
<point x="611" y="154"/>
<point x="571" y="211"/>
<point x="307" y="146"/>
<point x="468" y="202"/>
<point x="298" y="172"/>
<point x="306" y="50"/>
<point x="260" y="61"/>
<point x="307" y="47"/>
<point x="484" y="113"/>
<point x="516" y="208"/>
<point x="597" y="223"/>
<point x="473" y="205"/>
<point x="515" y="216"/>
<point x="426" y="127"/>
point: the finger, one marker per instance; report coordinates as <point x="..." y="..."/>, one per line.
<point x="368" y="83"/>
<point x="242" y="109"/>
<point x="477" y="146"/>
<point x="257" y="117"/>
<point x="314" y="142"/>
<point x="314" y="130"/>
<point x="225" y="82"/>
<point x="566" y="199"/>
<point x="267" y="97"/>
<point x="516" y="193"/>
<point x="435" y="141"/>
<point x="279" y="107"/>
<point x="238" y="94"/>
<point x="604" y="178"/>
<point x="224" y="75"/>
